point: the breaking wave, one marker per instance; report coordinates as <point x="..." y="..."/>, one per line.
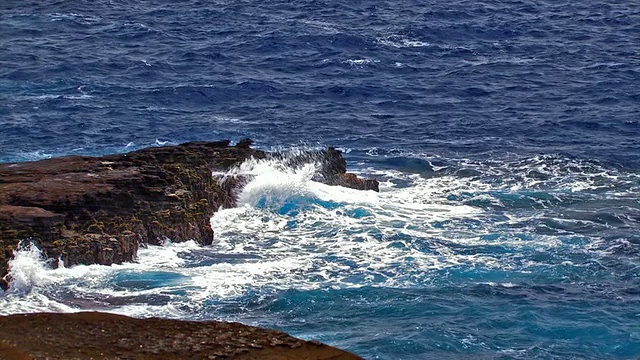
<point x="524" y="228"/>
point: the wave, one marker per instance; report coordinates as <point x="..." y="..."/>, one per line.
<point x="550" y="172"/>
<point x="397" y="41"/>
<point x="360" y="62"/>
<point x="289" y="232"/>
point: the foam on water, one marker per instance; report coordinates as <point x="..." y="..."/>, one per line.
<point x="289" y="231"/>
<point x="505" y="141"/>
<point x="305" y="235"/>
<point x="454" y="225"/>
<point x="27" y="269"/>
<point x="397" y="41"/>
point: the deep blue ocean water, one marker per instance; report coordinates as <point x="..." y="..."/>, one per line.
<point x="504" y="134"/>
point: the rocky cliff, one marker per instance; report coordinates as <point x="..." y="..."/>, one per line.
<point x="99" y="210"/>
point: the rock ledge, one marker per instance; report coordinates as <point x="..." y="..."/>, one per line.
<point x="93" y="335"/>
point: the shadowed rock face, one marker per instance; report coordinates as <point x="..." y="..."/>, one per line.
<point x="109" y="336"/>
<point x="98" y="210"/>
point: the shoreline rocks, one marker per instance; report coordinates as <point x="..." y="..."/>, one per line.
<point x="99" y="210"/>
<point x="94" y="335"/>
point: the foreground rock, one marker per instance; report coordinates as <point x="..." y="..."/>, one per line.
<point x="98" y="210"/>
<point x="107" y="336"/>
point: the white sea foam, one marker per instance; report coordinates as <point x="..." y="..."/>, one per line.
<point x="344" y="237"/>
<point x="28" y="272"/>
<point x="68" y="97"/>
<point x="27" y="269"/>
<point x="361" y="62"/>
<point x="484" y="60"/>
<point x="401" y="42"/>
<point x="34" y="284"/>
<point x="291" y="232"/>
<point x="34" y="155"/>
<point x="83" y="19"/>
<point x="320" y="26"/>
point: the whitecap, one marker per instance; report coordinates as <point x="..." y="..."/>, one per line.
<point x="291" y="232"/>
<point x="401" y="42"/>
<point x="360" y="62"/>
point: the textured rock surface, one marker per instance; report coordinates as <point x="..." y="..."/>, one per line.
<point x="97" y="210"/>
<point x="109" y="336"/>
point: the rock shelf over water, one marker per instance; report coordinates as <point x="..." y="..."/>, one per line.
<point x="99" y="210"/>
<point x="107" y="336"/>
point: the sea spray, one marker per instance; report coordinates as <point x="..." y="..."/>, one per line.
<point x="27" y="269"/>
<point x="29" y="276"/>
<point x="270" y="182"/>
<point x="295" y="247"/>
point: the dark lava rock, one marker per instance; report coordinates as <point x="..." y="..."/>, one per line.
<point x="332" y="168"/>
<point x="93" y="335"/>
<point x="244" y="143"/>
<point x="98" y="210"/>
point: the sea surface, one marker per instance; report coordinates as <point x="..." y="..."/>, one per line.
<point x="505" y="135"/>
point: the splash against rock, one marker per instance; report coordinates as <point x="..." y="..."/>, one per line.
<point x="99" y="210"/>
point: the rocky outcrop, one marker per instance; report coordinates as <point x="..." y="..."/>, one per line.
<point x="109" y="336"/>
<point x="98" y="210"/>
<point x="332" y="168"/>
<point x="88" y="210"/>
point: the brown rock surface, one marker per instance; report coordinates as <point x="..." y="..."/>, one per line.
<point x="97" y="210"/>
<point x="95" y="335"/>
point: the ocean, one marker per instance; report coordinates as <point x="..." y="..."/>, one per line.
<point x="504" y="134"/>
